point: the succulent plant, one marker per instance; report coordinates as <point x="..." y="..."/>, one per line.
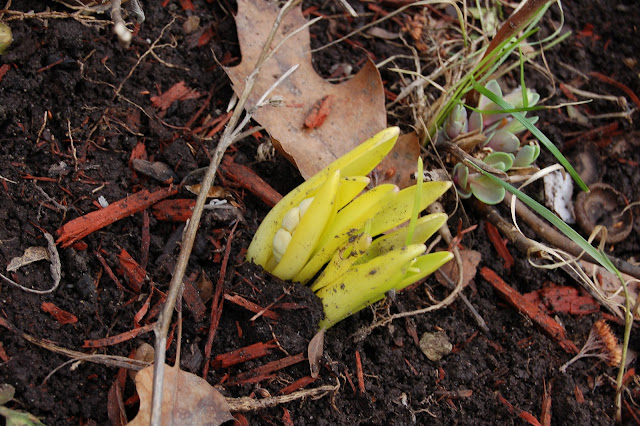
<point x="325" y="221"/>
<point x="500" y="141"/>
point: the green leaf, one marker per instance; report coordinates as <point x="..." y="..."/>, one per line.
<point x="397" y="207"/>
<point x="423" y="266"/>
<point x="486" y="190"/>
<point x="426" y="226"/>
<point x="364" y="284"/>
<point x="19" y="418"/>
<point x="500" y="160"/>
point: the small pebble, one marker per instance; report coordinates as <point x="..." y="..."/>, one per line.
<point x="435" y="345"/>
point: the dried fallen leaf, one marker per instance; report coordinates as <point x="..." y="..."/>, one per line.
<point x="55" y="268"/>
<point x="357" y="108"/>
<point x="186" y="399"/>
<point x="214" y="191"/>
<point x="470" y="261"/>
<point x="314" y="352"/>
<point x="205" y="287"/>
<point x="401" y="163"/>
<point x="31" y="254"/>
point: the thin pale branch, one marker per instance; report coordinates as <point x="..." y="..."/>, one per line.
<point x="226" y="140"/>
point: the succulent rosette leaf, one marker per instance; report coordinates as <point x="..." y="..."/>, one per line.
<point x="499" y="130"/>
<point x="527" y="155"/>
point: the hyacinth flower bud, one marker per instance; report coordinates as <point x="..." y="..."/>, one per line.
<point x="325" y="228"/>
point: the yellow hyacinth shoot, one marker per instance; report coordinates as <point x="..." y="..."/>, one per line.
<point x="328" y="221"/>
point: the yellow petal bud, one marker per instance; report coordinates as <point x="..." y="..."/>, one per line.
<point x="280" y="243"/>
<point x="291" y="219"/>
<point x="304" y="205"/>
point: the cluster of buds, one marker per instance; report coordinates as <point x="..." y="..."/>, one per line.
<point x="495" y="133"/>
<point x="328" y="220"/>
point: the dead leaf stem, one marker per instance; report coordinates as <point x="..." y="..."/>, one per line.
<point x="251" y="404"/>
<point x="56" y="269"/>
<point x="226" y="140"/>
<point x="108" y="360"/>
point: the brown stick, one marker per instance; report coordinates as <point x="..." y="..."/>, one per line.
<point x="515" y="299"/>
<point x="80" y="227"/>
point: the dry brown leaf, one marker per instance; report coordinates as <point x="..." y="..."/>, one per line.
<point x="214" y="191"/>
<point x="470" y="261"/>
<point x="314" y="351"/>
<point x="31" y="254"/>
<point x="205" y="287"/>
<point x="187" y="399"/>
<point x="609" y="285"/>
<point x="402" y="162"/>
<point x="357" y="109"/>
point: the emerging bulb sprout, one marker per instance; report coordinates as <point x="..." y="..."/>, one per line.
<point x="290" y="222"/>
<point x="328" y="220"/>
<point x="601" y="344"/>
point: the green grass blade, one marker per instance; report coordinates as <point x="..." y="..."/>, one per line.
<point x="524" y="95"/>
<point x="504" y="111"/>
<point x="535" y="132"/>
<point x="553" y="219"/>
<point x="484" y="69"/>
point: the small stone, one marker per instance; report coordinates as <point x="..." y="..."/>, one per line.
<point x="191" y="24"/>
<point x="435" y="345"/>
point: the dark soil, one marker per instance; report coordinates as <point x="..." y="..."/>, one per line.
<point x="68" y="72"/>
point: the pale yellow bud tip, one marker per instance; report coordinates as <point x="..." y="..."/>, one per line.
<point x="304" y="205"/>
<point x="291" y="219"/>
<point x="280" y="243"/>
